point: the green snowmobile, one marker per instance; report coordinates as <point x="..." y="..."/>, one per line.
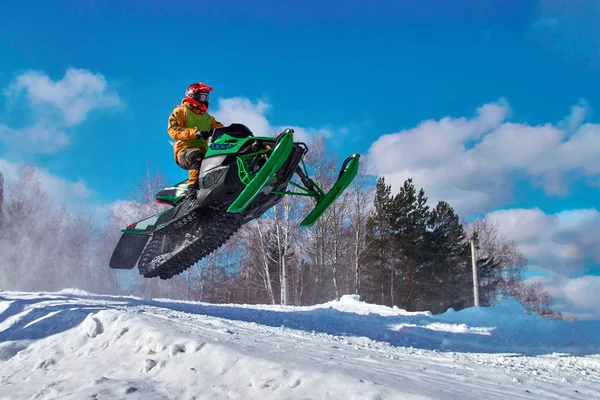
<point x="241" y="177"/>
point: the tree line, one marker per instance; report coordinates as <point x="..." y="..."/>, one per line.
<point x="389" y="248"/>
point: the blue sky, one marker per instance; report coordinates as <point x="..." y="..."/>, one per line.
<point x="494" y="82"/>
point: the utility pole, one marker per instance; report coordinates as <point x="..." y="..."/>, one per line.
<point x="475" y="278"/>
<point x="284" y="282"/>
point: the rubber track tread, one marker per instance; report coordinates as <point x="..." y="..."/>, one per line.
<point x="217" y="227"/>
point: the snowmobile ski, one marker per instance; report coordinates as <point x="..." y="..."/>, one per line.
<point x="346" y="176"/>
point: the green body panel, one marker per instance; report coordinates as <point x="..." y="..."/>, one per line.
<point x="174" y="198"/>
<point x="229" y="145"/>
<point x="243" y="173"/>
<point x="277" y="158"/>
<point x="133" y="232"/>
<point x="346" y="177"/>
<point x="144" y="226"/>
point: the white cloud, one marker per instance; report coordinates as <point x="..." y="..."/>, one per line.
<point x="59" y="190"/>
<point x="584" y="293"/>
<point x="579" y="113"/>
<point x="242" y="110"/>
<point x="253" y="115"/>
<point x="74" y="96"/>
<point x="473" y="162"/>
<point x="56" y="106"/>
<point x="431" y="141"/>
<point x="39" y="138"/>
<point x="576" y="296"/>
<point x="563" y="243"/>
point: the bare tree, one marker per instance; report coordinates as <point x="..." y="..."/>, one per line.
<point x="286" y="218"/>
<point x="256" y="242"/>
<point x="141" y="204"/>
<point x="361" y="204"/>
<point x="31" y="241"/>
<point x="106" y="241"/>
<point x="79" y="233"/>
<point x="1" y="199"/>
<point x="323" y="167"/>
<point x="336" y="243"/>
<point x="499" y="259"/>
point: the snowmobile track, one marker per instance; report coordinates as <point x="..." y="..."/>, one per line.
<point x="216" y="227"/>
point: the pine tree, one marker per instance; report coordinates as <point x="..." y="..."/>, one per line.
<point x="379" y="234"/>
<point x="448" y="271"/>
<point x="409" y="225"/>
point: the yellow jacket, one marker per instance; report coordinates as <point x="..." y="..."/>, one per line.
<point x="183" y="129"/>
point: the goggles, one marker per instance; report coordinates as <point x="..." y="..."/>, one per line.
<point x="200" y="96"/>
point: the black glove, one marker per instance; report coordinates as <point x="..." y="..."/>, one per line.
<point x="204" y="134"/>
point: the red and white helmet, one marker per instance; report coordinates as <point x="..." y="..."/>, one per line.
<point x="197" y="95"/>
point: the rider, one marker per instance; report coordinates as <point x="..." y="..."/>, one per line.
<point x="191" y="126"/>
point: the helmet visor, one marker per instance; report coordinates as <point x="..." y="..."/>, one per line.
<point x="200" y="96"/>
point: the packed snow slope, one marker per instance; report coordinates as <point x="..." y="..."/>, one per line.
<point x="77" y="345"/>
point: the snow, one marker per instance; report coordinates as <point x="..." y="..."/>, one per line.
<point x="77" y="345"/>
